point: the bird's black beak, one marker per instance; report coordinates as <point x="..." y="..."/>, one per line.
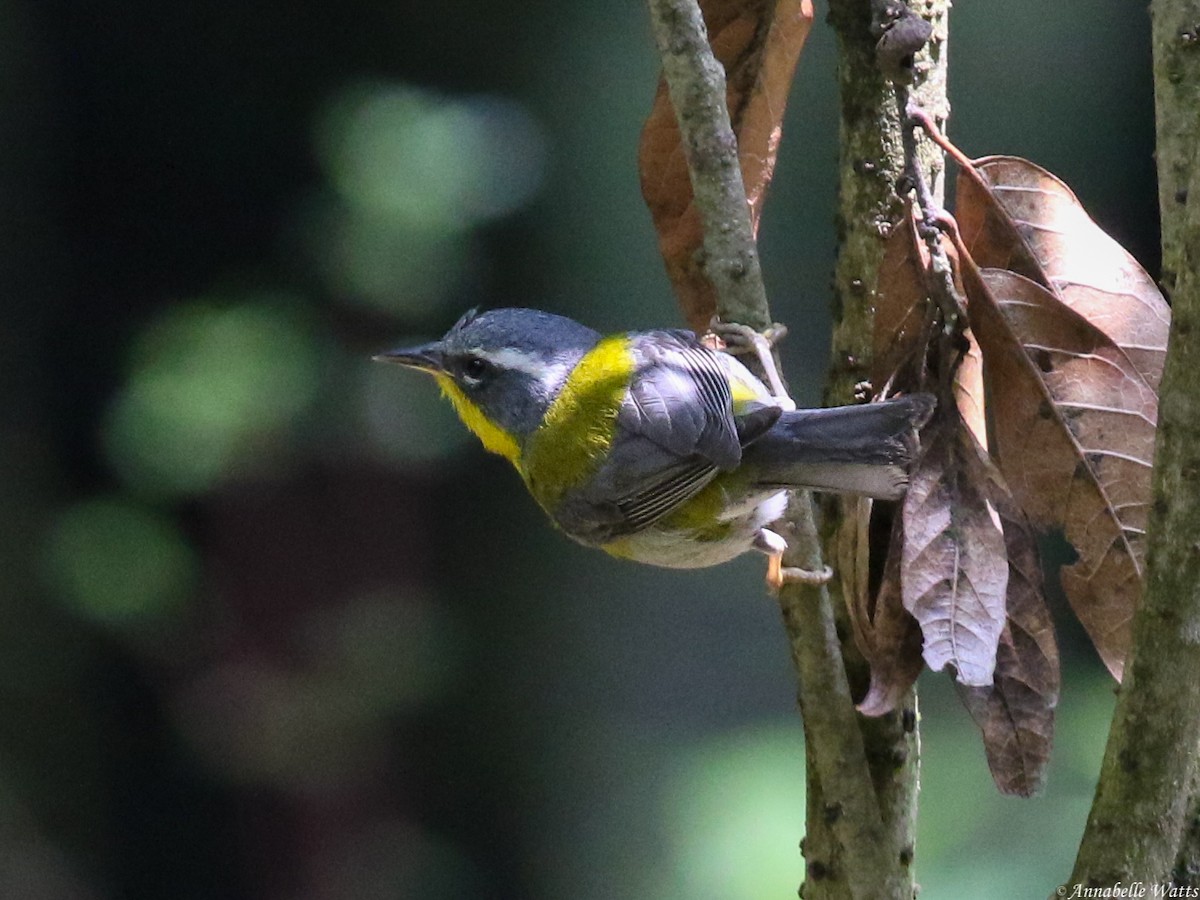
<point x="427" y="357"/>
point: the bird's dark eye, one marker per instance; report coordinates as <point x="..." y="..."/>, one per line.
<point x="474" y="368"/>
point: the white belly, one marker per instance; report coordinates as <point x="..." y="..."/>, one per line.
<point x="678" y="549"/>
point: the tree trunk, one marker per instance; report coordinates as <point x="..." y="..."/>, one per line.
<point x="871" y="161"/>
<point x="1139" y="819"/>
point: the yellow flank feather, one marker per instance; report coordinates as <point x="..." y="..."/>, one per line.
<point x="495" y="439"/>
<point x="742" y="395"/>
<point x="745" y="389"/>
<point x="578" y="428"/>
<point x="700" y="517"/>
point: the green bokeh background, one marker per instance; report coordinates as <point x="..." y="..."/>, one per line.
<point x="274" y="627"/>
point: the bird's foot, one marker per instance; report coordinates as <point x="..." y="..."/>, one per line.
<point x="778" y="575"/>
<point x="773" y="545"/>
<point x="742" y="339"/>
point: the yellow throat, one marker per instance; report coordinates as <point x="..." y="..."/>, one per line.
<point x="495" y="439"/>
<point x="577" y="430"/>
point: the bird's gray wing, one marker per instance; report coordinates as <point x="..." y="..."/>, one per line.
<point x="677" y="429"/>
<point x="679" y="398"/>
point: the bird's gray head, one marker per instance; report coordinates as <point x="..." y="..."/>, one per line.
<point x="509" y="363"/>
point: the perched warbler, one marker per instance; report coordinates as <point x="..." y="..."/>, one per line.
<point x="650" y="445"/>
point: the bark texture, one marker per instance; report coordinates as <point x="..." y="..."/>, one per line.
<point x="1139" y="817"/>
<point x="696" y="82"/>
<point x="871" y="161"/>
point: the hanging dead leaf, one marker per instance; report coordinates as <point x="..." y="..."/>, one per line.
<point x="1016" y="714"/>
<point x="852" y="556"/>
<point x="954" y="573"/>
<point x="1074" y="428"/>
<point x="758" y="42"/>
<point x="967" y="385"/>
<point x="969" y="395"/>
<point x="902" y="320"/>
<point x="888" y="636"/>
<point x="1015" y="215"/>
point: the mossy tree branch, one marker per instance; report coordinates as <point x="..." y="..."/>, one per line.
<point x="1138" y="824"/>
<point x="844" y="809"/>
<point x="872" y="161"/>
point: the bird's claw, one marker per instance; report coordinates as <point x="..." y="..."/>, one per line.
<point x="778" y="575"/>
<point x="740" y="339"/>
<point x="773" y="545"/>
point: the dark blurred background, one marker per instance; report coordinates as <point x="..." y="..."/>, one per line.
<point x="274" y="626"/>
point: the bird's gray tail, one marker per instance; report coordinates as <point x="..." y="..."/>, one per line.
<point x="864" y="449"/>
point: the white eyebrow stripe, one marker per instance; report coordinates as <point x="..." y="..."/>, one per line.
<point x="550" y="374"/>
<point x="510" y="358"/>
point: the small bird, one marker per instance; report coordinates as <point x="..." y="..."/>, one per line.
<point x="651" y="445"/>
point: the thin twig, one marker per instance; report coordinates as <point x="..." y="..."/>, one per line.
<point x="696" y="83"/>
<point x="934" y="219"/>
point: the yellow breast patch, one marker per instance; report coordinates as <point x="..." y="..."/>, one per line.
<point x="578" y="429"/>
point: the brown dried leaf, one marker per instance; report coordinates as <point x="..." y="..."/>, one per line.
<point x="758" y="42"/>
<point x="852" y="557"/>
<point x="969" y="394"/>
<point x="1074" y="428"/>
<point x="887" y="635"/>
<point x="954" y="575"/>
<point x="901" y="305"/>
<point x="1015" y="215"/>
<point x="1016" y="714"/>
